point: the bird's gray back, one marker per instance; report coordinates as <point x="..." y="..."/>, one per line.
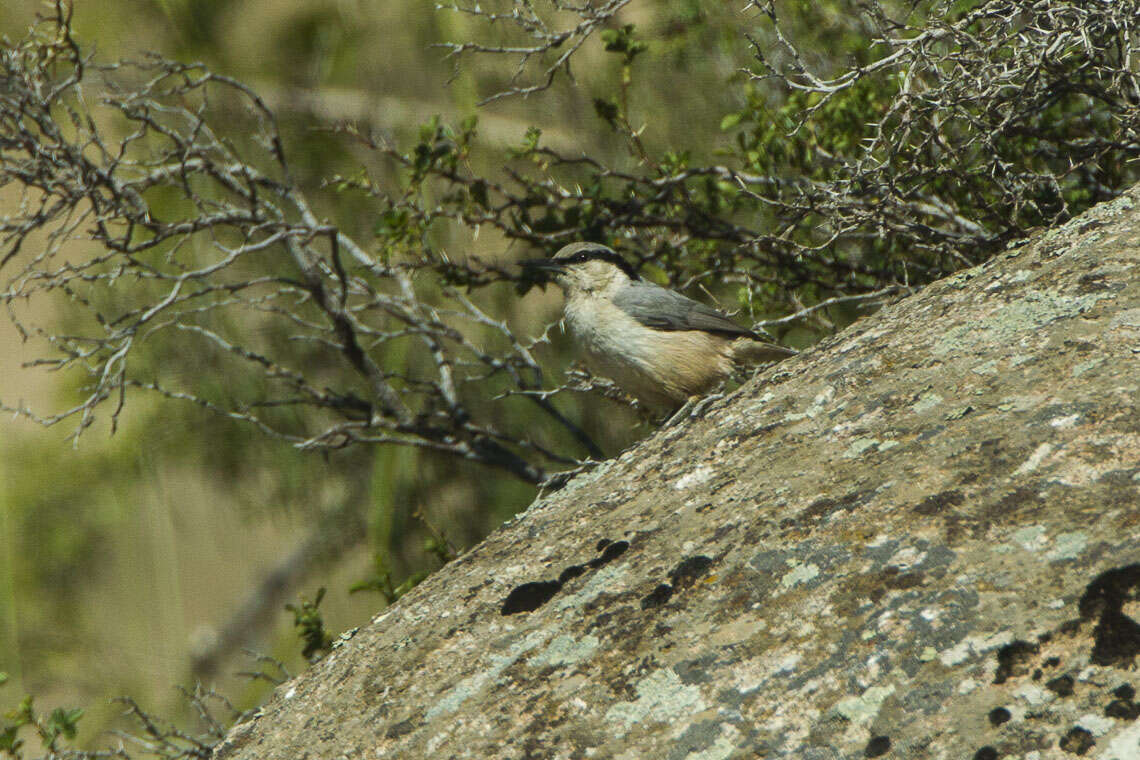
<point x="663" y="309"/>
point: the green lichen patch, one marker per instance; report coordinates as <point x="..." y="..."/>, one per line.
<point x="661" y="697"/>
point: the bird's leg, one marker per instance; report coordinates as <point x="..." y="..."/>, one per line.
<point x="558" y="480"/>
<point x="692" y="409"/>
<point x="702" y="405"/>
<point x="680" y="414"/>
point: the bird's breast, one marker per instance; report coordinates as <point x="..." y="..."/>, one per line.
<point x="660" y="367"/>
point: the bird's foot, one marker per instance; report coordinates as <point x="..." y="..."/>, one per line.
<point x="558" y="480"/>
<point x="693" y="409"/>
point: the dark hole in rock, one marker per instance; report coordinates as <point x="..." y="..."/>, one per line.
<point x="688" y="570"/>
<point x="1078" y="741"/>
<point x="819" y="508"/>
<point x="824" y="507"/>
<point x="529" y="596"/>
<point x="1062" y="686"/>
<point x="400" y="729"/>
<point x="1124" y="709"/>
<point x="878" y="746"/>
<point x="1012" y="659"/>
<point x="901" y="581"/>
<point x="609" y="554"/>
<point x="657" y="597"/>
<point x="571" y="573"/>
<point x="600" y="621"/>
<point x="1116" y="638"/>
<point x="999" y="715"/>
<point x="986" y="753"/>
<point x="1052" y="662"/>
<point x="1070" y="627"/>
<point x="938" y="502"/>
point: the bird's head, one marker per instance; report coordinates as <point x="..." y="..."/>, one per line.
<point x="582" y="267"/>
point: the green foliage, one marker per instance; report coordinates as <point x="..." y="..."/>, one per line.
<point x="156" y="737"/>
<point x="9" y="743"/>
<point x="621" y="41"/>
<point x="607" y="110"/>
<point x="529" y="148"/>
<point x="61" y="722"/>
<point x="381" y="581"/>
<point x="311" y="626"/>
<point x="435" y="544"/>
<point x="440" y="148"/>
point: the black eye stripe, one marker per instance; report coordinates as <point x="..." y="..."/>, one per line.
<point x="602" y="254"/>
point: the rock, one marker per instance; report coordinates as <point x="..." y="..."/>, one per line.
<point x="919" y="538"/>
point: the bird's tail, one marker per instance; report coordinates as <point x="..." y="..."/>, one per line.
<point x="749" y="351"/>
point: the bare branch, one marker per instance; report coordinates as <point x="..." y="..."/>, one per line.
<point x="549" y="49"/>
<point x="240" y="255"/>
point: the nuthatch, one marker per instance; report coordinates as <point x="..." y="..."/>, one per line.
<point x="655" y="343"/>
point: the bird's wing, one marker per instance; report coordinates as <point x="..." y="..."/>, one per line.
<point x="663" y="309"/>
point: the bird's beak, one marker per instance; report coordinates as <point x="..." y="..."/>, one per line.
<point x="540" y="272"/>
<point x="544" y="266"/>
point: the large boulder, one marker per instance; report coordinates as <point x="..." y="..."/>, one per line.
<point x="919" y="539"/>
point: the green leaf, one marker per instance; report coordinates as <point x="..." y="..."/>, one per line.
<point x="530" y="141"/>
<point x="310" y="626"/>
<point x="730" y="120"/>
<point x="606" y="109"/>
<point x="621" y="41"/>
<point x="410" y="583"/>
<point x="24" y="713"/>
<point x="8" y="740"/>
<point x="64" y="722"/>
<point x="478" y="192"/>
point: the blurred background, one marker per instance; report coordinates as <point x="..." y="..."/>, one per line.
<point x="133" y="563"/>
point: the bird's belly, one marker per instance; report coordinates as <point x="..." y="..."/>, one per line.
<point x="661" y="368"/>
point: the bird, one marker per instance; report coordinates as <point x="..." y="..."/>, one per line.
<point x="660" y="346"/>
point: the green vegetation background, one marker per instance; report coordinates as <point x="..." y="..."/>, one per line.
<point x="123" y="557"/>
